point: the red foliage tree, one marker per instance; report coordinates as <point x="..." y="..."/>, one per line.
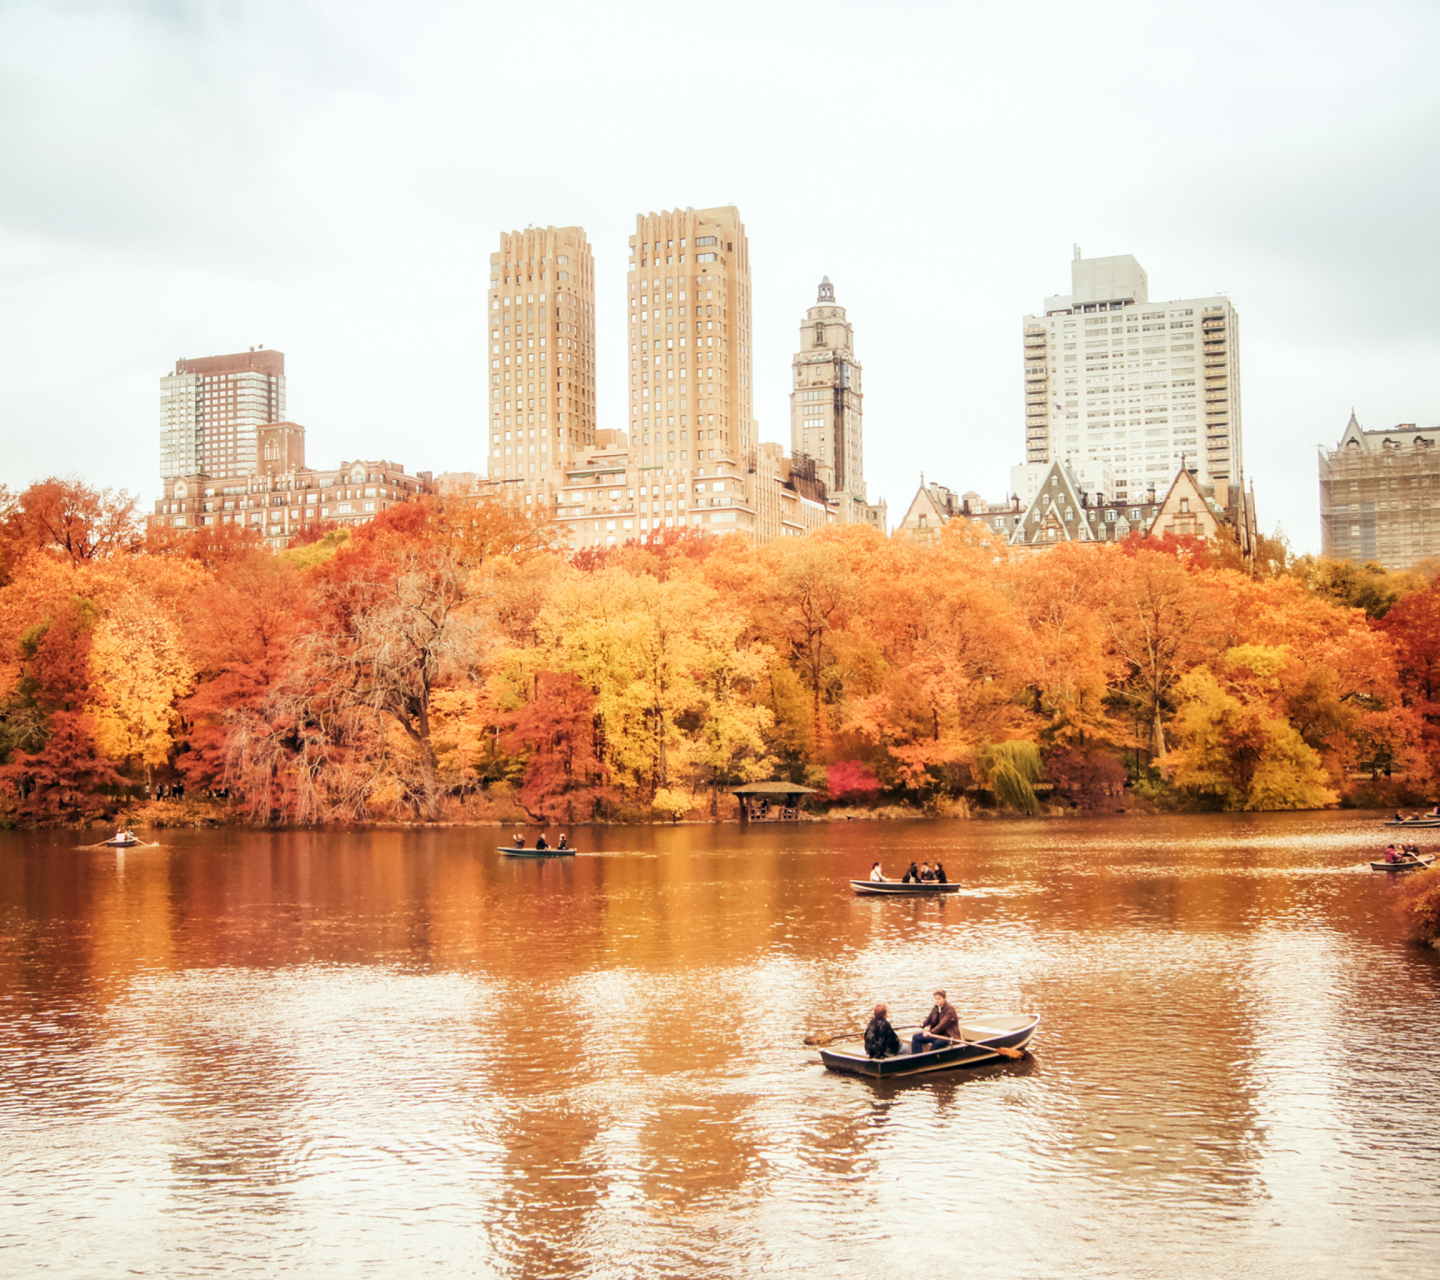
<point x="1413" y="623"/>
<point x="68" y="777"/>
<point x="564" y="776"/>
<point x="851" y="780"/>
<point x="1090" y="779"/>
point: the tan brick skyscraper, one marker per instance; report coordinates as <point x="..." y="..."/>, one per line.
<point x="689" y="337"/>
<point x="542" y="355"/>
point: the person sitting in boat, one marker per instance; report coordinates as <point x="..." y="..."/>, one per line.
<point x="927" y="873"/>
<point x="880" y="1038"/>
<point x="941" y="1025"/>
<point x="564" y="842"/>
<point x="1390" y="855"/>
<point x="940" y="876"/>
<point x="912" y="875"/>
<point x="517" y="841"/>
<point x="541" y="842"/>
<point x="877" y="874"/>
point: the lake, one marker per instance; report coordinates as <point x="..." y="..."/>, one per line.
<point x="393" y="1053"/>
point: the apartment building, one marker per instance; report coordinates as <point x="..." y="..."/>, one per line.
<point x="1380" y="495"/>
<point x="542" y="356"/>
<point x="278" y="496"/>
<point x="826" y="397"/>
<point x="688" y="330"/>
<point x="1140" y="386"/>
<point x="211" y="408"/>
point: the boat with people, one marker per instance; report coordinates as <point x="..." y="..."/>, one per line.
<point x="982" y="1041"/>
<point x="1431" y="819"/>
<point x="121" y="840"/>
<point x="519" y="851"/>
<point x="903" y="888"/>
<point x="1405" y="862"/>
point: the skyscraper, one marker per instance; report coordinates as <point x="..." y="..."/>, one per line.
<point x="210" y="409"/>
<point x="689" y="338"/>
<point x="825" y="403"/>
<point x="542" y="354"/>
<point x="1137" y="385"/>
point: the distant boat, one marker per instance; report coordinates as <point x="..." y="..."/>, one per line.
<point x="899" y="889"/>
<point x="981" y="1038"/>
<point x="1428" y="820"/>
<point x="121" y="840"/>
<point x="1410" y="863"/>
<point x="552" y="852"/>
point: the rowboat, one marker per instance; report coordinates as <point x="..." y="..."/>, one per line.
<point x="1413" y="822"/>
<point x="981" y="1036"/>
<point x="1404" y="864"/>
<point x="121" y="840"/>
<point x="536" y="853"/>
<point x="899" y="889"/>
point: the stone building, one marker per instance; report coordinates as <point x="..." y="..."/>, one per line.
<point x="1061" y="509"/>
<point x="826" y="397"/>
<point x="1380" y="495"/>
<point x="278" y="496"/>
<point x="1111" y="375"/>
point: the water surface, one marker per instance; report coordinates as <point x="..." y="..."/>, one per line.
<point x="389" y="1053"/>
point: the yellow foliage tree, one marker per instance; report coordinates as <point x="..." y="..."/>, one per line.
<point x="1235" y="745"/>
<point x="141" y="669"/>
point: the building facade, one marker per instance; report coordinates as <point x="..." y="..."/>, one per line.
<point x="278" y="496"/>
<point x="688" y="332"/>
<point x="542" y="356"/>
<point x="1380" y="495"/>
<point x="1141" y="386"/>
<point x="1060" y="508"/>
<point x="211" y="408"/>
<point x="826" y="397"/>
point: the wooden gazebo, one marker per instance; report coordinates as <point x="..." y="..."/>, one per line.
<point x="770" y="801"/>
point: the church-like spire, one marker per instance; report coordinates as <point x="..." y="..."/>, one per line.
<point x="827" y="290"/>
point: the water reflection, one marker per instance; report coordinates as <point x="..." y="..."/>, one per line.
<point x="395" y="1052"/>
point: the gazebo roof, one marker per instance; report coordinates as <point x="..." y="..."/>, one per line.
<point x="772" y="789"/>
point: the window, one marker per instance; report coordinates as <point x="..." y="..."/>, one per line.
<point x="700" y="240"/>
<point x="704" y="257"/>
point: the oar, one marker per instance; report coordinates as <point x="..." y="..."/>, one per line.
<point x="824" y="1038"/>
<point x="1017" y="1054"/>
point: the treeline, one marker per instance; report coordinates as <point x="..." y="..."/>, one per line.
<point x="449" y="660"/>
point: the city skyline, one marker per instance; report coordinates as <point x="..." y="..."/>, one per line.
<point x="361" y="180"/>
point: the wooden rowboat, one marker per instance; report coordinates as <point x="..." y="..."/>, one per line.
<point x="1413" y="822"/>
<point x="1404" y="864"/>
<point x="899" y="889"/>
<point x="536" y="853"/>
<point x="981" y="1035"/>
<point x="121" y="840"/>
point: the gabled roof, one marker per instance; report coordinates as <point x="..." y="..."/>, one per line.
<point x="1050" y="502"/>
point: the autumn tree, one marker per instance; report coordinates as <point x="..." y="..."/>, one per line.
<point x="71" y="519"/>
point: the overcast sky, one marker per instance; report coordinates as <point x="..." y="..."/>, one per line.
<point x="330" y="178"/>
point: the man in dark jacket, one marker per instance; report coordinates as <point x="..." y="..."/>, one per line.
<point x="941" y="1025"/>
<point x="880" y="1038"/>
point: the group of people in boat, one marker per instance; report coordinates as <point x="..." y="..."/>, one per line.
<point x="1402" y="852"/>
<point x="1429" y="814"/>
<point x="518" y="841"/>
<point x="940" y="1029"/>
<point x="916" y="875"/>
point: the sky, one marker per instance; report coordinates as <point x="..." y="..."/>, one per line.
<point x="329" y="179"/>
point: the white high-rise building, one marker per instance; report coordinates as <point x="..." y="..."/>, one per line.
<point x="211" y="408"/>
<point x="1133" y="384"/>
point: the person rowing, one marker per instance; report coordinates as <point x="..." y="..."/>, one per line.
<point x="941" y="1026"/>
<point x="564" y="841"/>
<point x="541" y="842"/>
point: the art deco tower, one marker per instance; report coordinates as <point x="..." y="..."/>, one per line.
<point x="542" y="354"/>
<point x="689" y="338"/>
<point x="825" y="404"/>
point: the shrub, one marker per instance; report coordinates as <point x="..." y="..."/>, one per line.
<point x="1418" y="903"/>
<point x="851" y="780"/>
